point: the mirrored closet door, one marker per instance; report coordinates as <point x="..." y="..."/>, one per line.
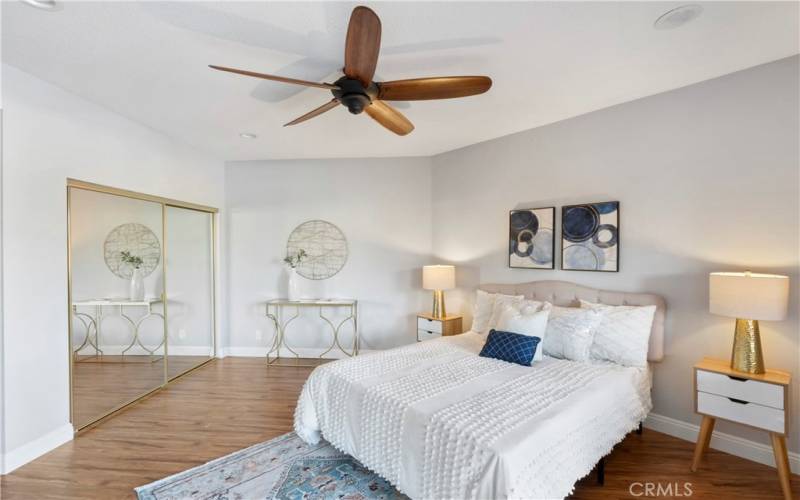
<point x="141" y="295"/>
<point x="190" y="281"/>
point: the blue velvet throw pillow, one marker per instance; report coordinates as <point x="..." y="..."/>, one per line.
<point x="511" y="347"/>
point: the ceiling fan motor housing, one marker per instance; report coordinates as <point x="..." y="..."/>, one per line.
<point x="353" y="95"/>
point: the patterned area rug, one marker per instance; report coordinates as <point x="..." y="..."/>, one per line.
<point x="282" y="468"/>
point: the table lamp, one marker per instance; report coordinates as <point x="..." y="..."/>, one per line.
<point x="748" y="297"/>
<point x="438" y="279"/>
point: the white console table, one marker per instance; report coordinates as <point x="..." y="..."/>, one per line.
<point x="275" y="311"/>
<point x="94" y="321"/>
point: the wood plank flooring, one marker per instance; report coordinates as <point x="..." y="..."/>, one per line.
<point x="101" y="384"/>
<point x="229" y="404"/>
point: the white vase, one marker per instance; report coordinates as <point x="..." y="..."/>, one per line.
<point x="136" y="288"/>
<point x="293" y="285"/>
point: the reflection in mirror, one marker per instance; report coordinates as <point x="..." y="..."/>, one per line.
<point x="117" y="313"/>
<point x="190" y="288"/>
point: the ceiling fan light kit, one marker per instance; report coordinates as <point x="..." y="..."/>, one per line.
<point x="352" y="94"/>
<point x="358" y="93"/>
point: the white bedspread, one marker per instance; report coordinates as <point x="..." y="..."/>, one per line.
<point x="440" y="422"/>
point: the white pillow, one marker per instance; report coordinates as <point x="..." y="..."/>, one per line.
<point x="623" y="334"/>
<point x="528" y="322"/>
<point x="570" y="331"/>
<point x="500" y="303"/>
<point x="529" y="306"/>
<point x="482" y="311"/>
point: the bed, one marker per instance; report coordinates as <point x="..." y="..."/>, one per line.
<point x="438" y="421"/>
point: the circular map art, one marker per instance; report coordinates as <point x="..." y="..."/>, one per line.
<point x="137" y="239"/>
<point x="325" y="247"/>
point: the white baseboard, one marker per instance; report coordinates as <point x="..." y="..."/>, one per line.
<point x="36" y="448"/>
<point x="728" y="443"/>
<point x="304" y="352"/>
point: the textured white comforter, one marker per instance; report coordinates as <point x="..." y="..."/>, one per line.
<point x="440" y="422"/>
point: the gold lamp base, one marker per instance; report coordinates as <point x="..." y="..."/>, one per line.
<point x="747" y="356"/>
<point x="438" y="304"/>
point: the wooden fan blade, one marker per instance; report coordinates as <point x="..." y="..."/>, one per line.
<point x="389" y="117"/>
<point x="363" y="45"/>
<point x="442" y="87"/>
<point x="315" y="112"/>
<point x="282" y="79"/>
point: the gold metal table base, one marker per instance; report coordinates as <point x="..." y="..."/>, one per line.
<point x="274" y="310"/>
<point x="94" y="323"/>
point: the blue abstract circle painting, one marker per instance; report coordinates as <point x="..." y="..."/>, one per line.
<point x="579" y="223"/>
<point x="590" y="237"/>
<point x="530" y="238"/>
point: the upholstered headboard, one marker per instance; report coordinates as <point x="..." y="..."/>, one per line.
<point x="566" y="294"/>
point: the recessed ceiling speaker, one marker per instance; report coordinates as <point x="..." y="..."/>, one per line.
<point x="677" y="17"/>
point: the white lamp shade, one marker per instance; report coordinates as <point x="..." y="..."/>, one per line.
<point x="438" y="277"/>
<point x="749" y="295"/>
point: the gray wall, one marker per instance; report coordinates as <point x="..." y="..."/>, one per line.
<point x="383" y="207"/>
<point x="707" y="177"/>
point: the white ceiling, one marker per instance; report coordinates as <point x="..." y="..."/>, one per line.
<point x="549" y="61"/>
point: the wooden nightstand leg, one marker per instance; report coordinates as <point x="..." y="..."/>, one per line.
<point x="782" y="462"/>
<point x="703" y="439"/>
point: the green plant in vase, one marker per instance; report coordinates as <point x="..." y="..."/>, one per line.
<point x="136" y="287"/>
<point x="292" y="261"/>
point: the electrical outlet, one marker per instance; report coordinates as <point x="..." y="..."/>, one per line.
<point x="259" y="335"/>
<point x="181" y="334"/>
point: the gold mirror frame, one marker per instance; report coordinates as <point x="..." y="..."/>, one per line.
<point x="164" y="202"/>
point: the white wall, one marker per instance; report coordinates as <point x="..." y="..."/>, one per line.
<point x="707" y="177"/>
<point x="50" y="135"/>
<point x="383" y="208"/>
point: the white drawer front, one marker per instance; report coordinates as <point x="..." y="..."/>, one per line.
<point x="752" y="391"/>
<point x="429" y="325"/>
<point x="426" y="335"/>
<point x="763" y="417"/>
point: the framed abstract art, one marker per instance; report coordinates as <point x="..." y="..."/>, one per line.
<point x="590" y="237"/>
<point x="531" y="238"/>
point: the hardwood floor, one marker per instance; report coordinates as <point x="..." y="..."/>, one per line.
<point x="229" y="404"/>
<point x="102" y="384"/>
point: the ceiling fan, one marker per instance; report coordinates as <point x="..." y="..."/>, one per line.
<point x="356" y="90"/>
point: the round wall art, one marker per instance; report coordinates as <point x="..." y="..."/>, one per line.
<point x="325" y="247"/>
<point x="137" y="239"/>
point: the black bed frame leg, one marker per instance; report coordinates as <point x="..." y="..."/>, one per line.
<point x="601" y="471"/>
<point x="639" y="430"/>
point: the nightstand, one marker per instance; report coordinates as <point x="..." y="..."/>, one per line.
<point x="759" y="401"/>
<point x="429" y="327"/>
